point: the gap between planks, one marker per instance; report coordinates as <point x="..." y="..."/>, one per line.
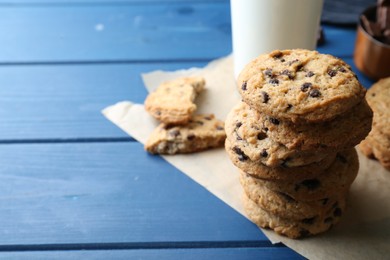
<point x="69" y="140"/>
<point x="40" y="3"/>
<point x="140" y="245"/>
<point x="104" y="62"/>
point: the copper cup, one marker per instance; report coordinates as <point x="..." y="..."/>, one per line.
<point x="371" y="56"/>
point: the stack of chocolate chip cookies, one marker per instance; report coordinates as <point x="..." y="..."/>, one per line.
<point x="293" y="139"/>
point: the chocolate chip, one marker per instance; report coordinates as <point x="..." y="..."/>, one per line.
<point x="332" y="73"/>
<point x="241" y="155"/>
<point x="265" y="96"/>
<point x="304" y="233"/>
<point x="308" y="221"/>
<point x="328" y="220"/>
<point x="284" y="163"/>
<point x="199" y="122"/>
<point x="207" y="118"/>
<point x="268" y="72"/>
<point x="372" y="28"/>
<point x="314" y="92"/>
<point x="289" y="106"/>
<point x="190" y="137"/>
<point x="309" y="74"/>
<point x="274" y="121"/>
<point x="342" y="69"/>
<point x="174" y="132"/>
<point x="337" y="212"/>
<point x="243" y="87"/>
<point x="325" y="201"/>
<point x="299" y="67"/>
<point x="238" y="124"/>
<point x="167" y="127"/>
<point x="305" y="86"/>
<point x="220" y="128"/>
<point x="287" y="73"/>
<point x="265" y="129"/>
<point x="274" y="81"/>
<point x="311" y="184"/>
<point x="261" y="136"/>
<point x="341" y="158"/>
<point x="292" y="62"/>
<point x="263" y="153"/>
<point x="282" y="60"/>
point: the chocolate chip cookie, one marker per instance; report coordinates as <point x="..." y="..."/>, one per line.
<point x="374" y="149"/>
<point x="377" y="143"/>
<point x="344" y="131"/>
<point x="251" y="142"/>
<point x="202" y="132"/>
<point x="294" y="228"/>
<point x="329" y="183"/>
<point x="300" y="85"/>
<point x="173" y="101"/>
<point x="283" y="205"/>
<point x="279" y="173"/>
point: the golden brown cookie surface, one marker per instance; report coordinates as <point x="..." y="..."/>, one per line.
<point x="328" y="183"/>
<point x="300" y="85"/>
<point x="173" y="101"/>
<point x="294" y="228"/>
<point x="250" y="141"/>
<point x="202" y="132"/>
<point x="377" y="143"/>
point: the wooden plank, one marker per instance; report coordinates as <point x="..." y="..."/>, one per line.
<point x="107" y="193"/>
<point x="117" y="32"/>
<point x="63" y="102"/>
<point x="95" y="2"/>
<point x="185" y="254"/>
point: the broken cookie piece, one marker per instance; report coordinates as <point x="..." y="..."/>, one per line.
<point x="173" y="101"/>
<point x="202" y="132"/>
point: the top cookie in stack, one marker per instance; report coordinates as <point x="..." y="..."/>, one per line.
<point x="300" y="85"/>
<point x="305" y="100"/>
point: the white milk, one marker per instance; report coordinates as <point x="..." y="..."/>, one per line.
<point x="260" y="26"/>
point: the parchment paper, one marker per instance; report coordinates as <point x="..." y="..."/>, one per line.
<point x="364" y="231"/>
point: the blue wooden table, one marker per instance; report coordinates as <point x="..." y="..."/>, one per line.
<point x="72" y="185"/>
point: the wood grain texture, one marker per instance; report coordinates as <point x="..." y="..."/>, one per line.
<point x="138" y="32"/>
<point x="64" y="102"/>
<point x="185" y="254"/>
<point x="115" y="32"/>
<point x="107" y="192"/>
<point x="96" y="2"/>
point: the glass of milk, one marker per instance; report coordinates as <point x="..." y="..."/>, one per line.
<point x="260" y="26"/>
